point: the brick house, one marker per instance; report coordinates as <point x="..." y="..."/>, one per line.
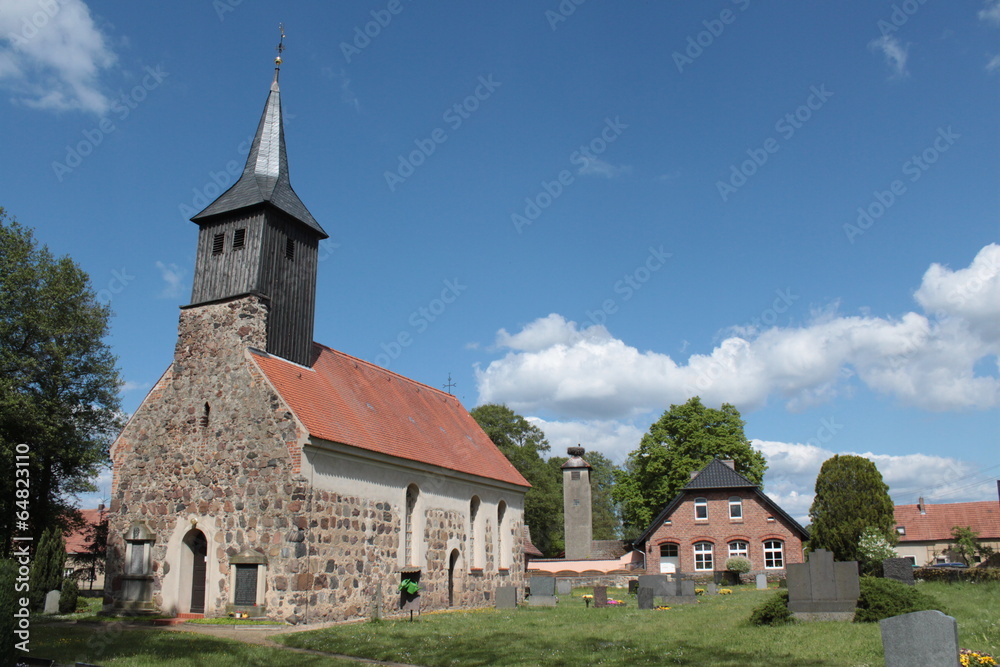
<point x="924" y="529"/>
<point x="268" y="474"/>
<point x="717" y="515"/>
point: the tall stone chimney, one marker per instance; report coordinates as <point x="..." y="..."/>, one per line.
<point x="577" y="511"/>
<point x="921" y="506"/>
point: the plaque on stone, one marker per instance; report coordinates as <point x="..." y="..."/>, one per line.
<point x="600" y="596"/>
<point x="246" y="585"/>
<point x="137" y="564"/>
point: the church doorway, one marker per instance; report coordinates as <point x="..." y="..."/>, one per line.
<point x="197" y="547"/>
<point x="452" y="564"/>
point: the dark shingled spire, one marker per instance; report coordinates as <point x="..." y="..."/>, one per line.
<point x="265" y="176"/>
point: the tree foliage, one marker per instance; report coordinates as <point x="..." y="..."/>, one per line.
<point x="93" y="559"/>
<point x="47" y="567"/>
<point x="850" y="497"/>
<point x="967" y="545"/>
<point x="523" y="444"/>
<point x="58" y="382"/>
<point x="686" y="438"/>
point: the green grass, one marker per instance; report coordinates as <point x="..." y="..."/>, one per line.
<point x="712" y="632"/>
<point x="112" y="646"/>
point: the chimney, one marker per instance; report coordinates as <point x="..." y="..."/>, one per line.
<point x="921" y="506"/>
<point x="100" y="508"/>
<point x="730" y="462"/>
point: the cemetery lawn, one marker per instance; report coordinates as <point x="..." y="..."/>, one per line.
<point x="714" y="632"/>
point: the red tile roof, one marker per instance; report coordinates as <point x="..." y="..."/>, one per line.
<point x="349" y="401"/>
<point x="983" y="517"/>
<point x="77" y="541"/>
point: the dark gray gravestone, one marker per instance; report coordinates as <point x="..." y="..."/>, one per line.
<point x="920" y="639"/>
<point x="633" y="586"/>
<point x="52" y="602"/>
<point x="658" y="583"/>
<point x="564" y="587"/>
<point x="600" y="596"/>
<point x="900" y="569"/>
<point x="506" y="597"/>
<point x="761" y="582"/>
<point x="645" y="598"/>
<point x="822" y="589"/>
<point x="543" y="586"/>
<point x="687" y="588"/>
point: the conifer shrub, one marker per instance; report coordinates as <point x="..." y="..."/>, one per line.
<point x="69" y="596"/>
<point x="773" y="611"/>
<point x="883" y="598"/>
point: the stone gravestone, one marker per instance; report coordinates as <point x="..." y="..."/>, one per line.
<point x="633" y="586"/>
<point x="506" y="597"/>
<point x="564" y="587"/>
<point x="900" y="569"/>
<point x="920" y="639"/>
<point x="822" y="590"/>
<point x="645" y="598"/>
<point x="543" y="592"/>
<point x="687" y="588"/>
<point x="710" y="589"/>
<point x="659" y="584"/>
<point x="600" y="596"/>
<point x="761" y="582"/>
<point x="52" y="602"/>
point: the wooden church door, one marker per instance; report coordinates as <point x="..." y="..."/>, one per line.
<point x="199" y="549"/>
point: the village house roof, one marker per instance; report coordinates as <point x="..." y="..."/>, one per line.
<point x="936" y="523"/>
<point x="718" y="475"/>
<point x="77" y="540"/>
<point x="346" y="400"/>
<point x="265" y="176"/>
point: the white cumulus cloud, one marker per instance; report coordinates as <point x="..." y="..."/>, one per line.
<point x="51" y="55"/>
<point x="894" y="52"/>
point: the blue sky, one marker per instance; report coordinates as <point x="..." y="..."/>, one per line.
<point x="790" y="208"/>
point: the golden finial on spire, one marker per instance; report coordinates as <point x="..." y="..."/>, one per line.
<point x="281" y="45"/>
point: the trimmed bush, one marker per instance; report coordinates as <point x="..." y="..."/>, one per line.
<point x="738" y="564"/>
<point x="952" y="575"/>
<point x="773" y="611"/>
<point x="882" y="598"/>
<point x="68" y="597"/>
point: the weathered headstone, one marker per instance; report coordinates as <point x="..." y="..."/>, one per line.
<point x="687" y="588"/>
<point x="52" y="602"/>
<point x="542" y="601"/>
<point x="600" y="596"/>
<point x="658" y="583"/>
<point x="564" y="587"/>
<point x="543" y="586"/>
<point x="645" y="596"/>
<point x="633" y="586"/>
<point x="710" y="589"/>
<point x="506" y="597"/>
<point x="900" y="569"/>
<point x="920" y="639"/>
<point x="822" y="590"/>
<point x="761" y="582"/>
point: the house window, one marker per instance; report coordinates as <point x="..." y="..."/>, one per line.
<point x="739" y="548"/>
<point x="239" y="239"/>
<point x="901" y="530"/>
<point x="773" y="555"/>
<point x="668" y="551"/>
<point x="700" y="509"/>
<point x="218" y="243"/>
<point x="574" y="474"/>
<point x="702" y="556"/>
<point x="735" y="508"/>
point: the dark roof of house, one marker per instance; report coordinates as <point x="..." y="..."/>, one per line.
<point x="718" y="475"/>
<point x="936" y="524"/>
<point x="265" y="177"/>
<point x="608" y="549"/>
<point x="714" y="476"/>
<point x="349" y="401"/>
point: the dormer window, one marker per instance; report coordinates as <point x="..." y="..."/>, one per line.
<point x="901" y="530"/>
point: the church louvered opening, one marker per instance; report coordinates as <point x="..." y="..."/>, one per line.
<point x="218" y="243"/>
<point x="289" y="249"/>
<point x="239" y="239"/>
<point x="206" y="416"/>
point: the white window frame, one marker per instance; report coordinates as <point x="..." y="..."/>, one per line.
<point x="770" y="562"/>
<point x="735" y="502"/>
<point x="704" y="560"/>
<point x="735" y="550"/>
<point x="700" y="504"/>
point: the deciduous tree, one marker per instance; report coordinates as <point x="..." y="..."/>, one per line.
<point x="686" y="438"/>
<point x="58" y="384"/>
<point x="850" y="497"/>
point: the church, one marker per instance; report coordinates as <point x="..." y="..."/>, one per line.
<point x="269" y="475"/>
